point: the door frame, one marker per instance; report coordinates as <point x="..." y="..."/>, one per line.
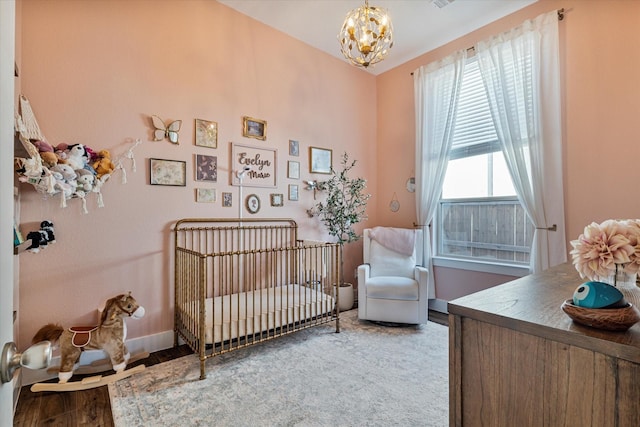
<point x="7" y="99"/>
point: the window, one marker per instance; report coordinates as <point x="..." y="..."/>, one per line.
<point x="479" y="216"/>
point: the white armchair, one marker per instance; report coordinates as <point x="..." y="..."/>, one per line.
<point x="391" y="286"/>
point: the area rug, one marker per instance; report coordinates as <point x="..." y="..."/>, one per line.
<point x="367" y="375"/>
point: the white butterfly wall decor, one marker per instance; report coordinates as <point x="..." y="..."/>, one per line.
<point x="165" y="131"/>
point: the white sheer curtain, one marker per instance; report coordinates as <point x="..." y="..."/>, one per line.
<point x="436" y="90"/>
<point x="520" y="70"/>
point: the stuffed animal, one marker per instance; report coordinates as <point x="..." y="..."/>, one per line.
<point x="85" y="180"/>
<point x="38" y="241"/>
<point x="103" y="165"/>
<point x="43" y="146"/>
<point x="49" y="159"/>
<point x="47" y="228"/>
<point x="77" y="157"/>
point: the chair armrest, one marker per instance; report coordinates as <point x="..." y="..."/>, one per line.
<point x="421" y="275"/>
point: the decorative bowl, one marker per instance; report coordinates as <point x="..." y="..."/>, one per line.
<point x="611" y="319"/>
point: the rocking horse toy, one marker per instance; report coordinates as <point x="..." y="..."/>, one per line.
<point x="109" y="336"/>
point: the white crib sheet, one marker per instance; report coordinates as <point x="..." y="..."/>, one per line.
<point x="246" y="313"/>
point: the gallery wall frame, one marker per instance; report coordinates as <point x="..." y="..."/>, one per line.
<point x="262" y="164"/>
<point x="167" y="172"/>
<point x="294" y="148"/>
<point x="293" y="169"/>
<point x="277" y="199"/>
<point x="206" y="133"/>
<point x="293" y="192"/>
<point x="254" y="128"/>
<point x="205" y="195"/>
<point x="227" y="200"/>
<point x="206" y="168"/>
<point x="320" y="160"/>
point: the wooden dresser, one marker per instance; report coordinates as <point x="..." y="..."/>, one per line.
<point x="516" y="359"/>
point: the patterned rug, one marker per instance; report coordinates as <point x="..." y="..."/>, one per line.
<point x="367" y="375"/>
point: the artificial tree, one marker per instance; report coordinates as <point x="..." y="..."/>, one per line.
<point x="344" y="205"/>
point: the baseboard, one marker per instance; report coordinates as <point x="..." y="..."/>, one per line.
<point x="150" y="343"/>
<point x="438" y="305"/>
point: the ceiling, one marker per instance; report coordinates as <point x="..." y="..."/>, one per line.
<point x="419" y="26"/>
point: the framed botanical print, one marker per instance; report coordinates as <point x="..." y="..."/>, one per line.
<point x="206" y="133"/>
<point x="205" y="195"/>
<point x="319" y="160"/>
<point x="293" y="192"/>
<point x="293" y="169"/>
<point x="167" y="172"/>
<point x="277" y="199"/>
<point x="294" y="148"/>
<point x="206" y="168"/>
<point x="227" y="200"/>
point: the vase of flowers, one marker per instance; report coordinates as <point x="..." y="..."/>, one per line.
<point x="610" y="252"/>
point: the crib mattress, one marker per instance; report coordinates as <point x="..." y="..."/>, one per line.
<point x="238" y="315"/>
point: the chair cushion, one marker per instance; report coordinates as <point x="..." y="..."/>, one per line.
<point x="398" y="288"/>
<point x="385" y="262"/>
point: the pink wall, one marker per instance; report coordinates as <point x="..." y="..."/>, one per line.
<point x="601" y="93"/>
<point x="95" y="71"/>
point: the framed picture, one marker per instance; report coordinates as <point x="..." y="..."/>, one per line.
<point x="206" y="133"/>
<point x="253" y="203"/>
<point x="227" y="200"/>
<point x="293" y="192"/>
<point x="206" y="168"/>
<point x="293" y="169"/>
<point x="254" y="128"/>
<point x="205" y="195"/>
<point x="260" y="161"/>
<point x="294" y="148"/>
<point x="277" y="199"/>
<point x="167" y="172"/>
<point x="319" y="160"/>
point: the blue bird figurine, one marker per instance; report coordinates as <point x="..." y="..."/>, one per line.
<point x="596" y="295"/>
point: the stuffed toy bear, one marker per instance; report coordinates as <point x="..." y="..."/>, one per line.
<point x="49" y="159"/>
<point x="85" y="180"/>
<point x="103" y="165"/>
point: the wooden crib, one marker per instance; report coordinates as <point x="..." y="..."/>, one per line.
<point x="238" y="283"/>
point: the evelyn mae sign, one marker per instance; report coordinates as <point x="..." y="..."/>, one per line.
<point x="261" y="164"/>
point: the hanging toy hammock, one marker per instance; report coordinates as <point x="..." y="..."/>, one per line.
<point x="66" y="171"/>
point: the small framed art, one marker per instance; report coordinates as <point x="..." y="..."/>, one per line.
<point x="277" y="199"/>
<point x="167" y="172"/>
<point x="294" y="148"/>
<point x="319" y="160"/>
<point x="205" y="195"/>
<point x="206" y="168"/>
<point x="293" y="192"/>
<point x="254" y="128"/>
<point x="227" y="200"/>
<point x="206" y="133"/>
<point x="293" y="169"/>
<point x="253" y="203"/>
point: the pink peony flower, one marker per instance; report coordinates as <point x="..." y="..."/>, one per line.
<point x="603" y="246"/>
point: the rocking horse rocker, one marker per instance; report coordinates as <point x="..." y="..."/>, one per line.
<point x="109" y="336"/>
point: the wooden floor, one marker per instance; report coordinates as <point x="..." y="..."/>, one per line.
<point x="78" y="408"/>
<point x="93" y="407"/>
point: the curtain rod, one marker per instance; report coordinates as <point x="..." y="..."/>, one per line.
<point x="560" y="18"/>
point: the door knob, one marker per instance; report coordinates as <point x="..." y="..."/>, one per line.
<point x="38" y="356"/>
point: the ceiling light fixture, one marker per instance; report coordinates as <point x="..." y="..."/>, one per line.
<point x="366" y="35"/>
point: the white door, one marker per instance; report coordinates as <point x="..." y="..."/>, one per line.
<point x="7" y="88"/>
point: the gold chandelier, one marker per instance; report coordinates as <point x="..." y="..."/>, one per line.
<point x="366" y="35"/>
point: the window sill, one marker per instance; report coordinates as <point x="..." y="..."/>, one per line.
<point x="481" y="266"/>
